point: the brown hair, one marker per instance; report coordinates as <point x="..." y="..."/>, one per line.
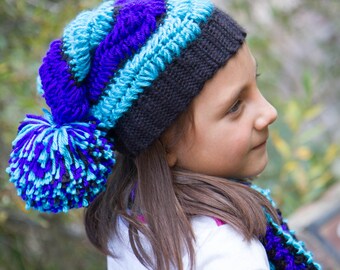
<point x="167" y="198"/>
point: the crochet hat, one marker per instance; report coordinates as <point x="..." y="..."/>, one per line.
<point x="118" y="77"/>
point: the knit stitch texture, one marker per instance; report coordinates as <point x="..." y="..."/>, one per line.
<point x="284" y="250"/>
<point x="116" y="79"/>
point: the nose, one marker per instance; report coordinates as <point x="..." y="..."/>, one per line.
<point x="267" y="114"/>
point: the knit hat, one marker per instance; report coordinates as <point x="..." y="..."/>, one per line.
<point x="118" y="77"/>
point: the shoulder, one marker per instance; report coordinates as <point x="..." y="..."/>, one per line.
<point x="221" y="246"/>
<point x="121" y="247"/>
<point x="217" y="246"/>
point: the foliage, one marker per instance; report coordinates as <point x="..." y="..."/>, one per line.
<point x="29" y="240"/>
<point x="301" y="154"/>
<point x="297" y="50"/>
<point x="46" y="242"/>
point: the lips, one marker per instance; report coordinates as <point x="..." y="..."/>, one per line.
<point x="260" y="145"/>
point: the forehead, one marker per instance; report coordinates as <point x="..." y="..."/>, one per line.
<point x="233" y="76"/>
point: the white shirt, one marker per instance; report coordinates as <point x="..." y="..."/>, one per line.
<point x="216" y="247"/>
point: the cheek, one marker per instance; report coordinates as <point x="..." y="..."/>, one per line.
<point x="236" y="140"/>
<point x="232" y="151"/>
<point x="220" y="148"/>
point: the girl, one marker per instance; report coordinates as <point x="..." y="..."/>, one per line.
<point x="164" y="94"/>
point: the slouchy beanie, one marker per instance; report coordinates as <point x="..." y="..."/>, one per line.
<point x="116" y="79"/>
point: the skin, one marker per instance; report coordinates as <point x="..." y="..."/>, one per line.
<point x="230" y="124"/>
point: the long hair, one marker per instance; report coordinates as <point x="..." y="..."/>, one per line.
<point x="167" y="198"/>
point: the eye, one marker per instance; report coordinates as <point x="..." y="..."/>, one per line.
<point x="258" y="75"/>
<point x="235" y="107"/>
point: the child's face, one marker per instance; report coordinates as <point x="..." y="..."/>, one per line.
<point x="230" y="129"/>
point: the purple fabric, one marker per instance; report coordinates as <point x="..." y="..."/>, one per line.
<point x="63" y="187"/>
<point x="68" y="100"/>
<point x="134" y="25"/>
<point x="133" y="193"/>
<point x="280" y="253"/>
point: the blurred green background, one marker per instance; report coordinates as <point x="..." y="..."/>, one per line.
<point x="296" y="44"/>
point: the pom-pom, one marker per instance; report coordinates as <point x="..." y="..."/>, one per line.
<point x="59" y="167"/>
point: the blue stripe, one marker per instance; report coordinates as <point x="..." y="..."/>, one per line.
<point x="134" y="24"/>
<point x="84" y="34"/>
<point x="180" y="27"/>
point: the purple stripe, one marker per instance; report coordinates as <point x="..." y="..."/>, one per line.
<point x="70" y="101"/>
<point x="134" y="25"/>
<point x="279" y="252"/>
<point x="37" y="117"/>
<point x="67" y="100"/>
<point x="28" y="121"/>
<point x="26" y="139"/>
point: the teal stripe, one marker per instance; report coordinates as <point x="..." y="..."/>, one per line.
<point x="180" y="27"/>
<point x="84" y="34"/>
<point x="266" y="193"/>
<point x="40" y="89"/>
<point x="299" y="245"/>
<point x="291" y="241"/>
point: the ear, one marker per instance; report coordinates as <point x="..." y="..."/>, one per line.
<point x="171" y="158"/>
<point x="170" y="154"/>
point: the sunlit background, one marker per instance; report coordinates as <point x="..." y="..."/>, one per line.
<point x="296" y="44"/>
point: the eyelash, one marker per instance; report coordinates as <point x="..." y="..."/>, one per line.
<point x="235" y="107"/>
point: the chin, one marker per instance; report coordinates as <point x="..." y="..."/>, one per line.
<point x="260" y="166"/>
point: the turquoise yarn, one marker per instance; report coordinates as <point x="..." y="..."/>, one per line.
<point x="288" y="236"/>
<point x="83" y="35"/>
<point x="106" y="59"/>
<point x="163" y="47"/>
<point x="59" y="167"/>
